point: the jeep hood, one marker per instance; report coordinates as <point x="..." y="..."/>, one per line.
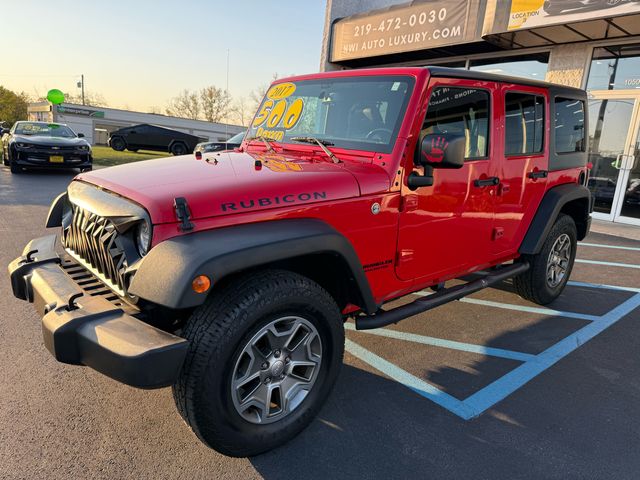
<point x="228" y="183"/>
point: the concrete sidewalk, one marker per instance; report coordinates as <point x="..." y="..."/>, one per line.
<point x="616" y="229"/>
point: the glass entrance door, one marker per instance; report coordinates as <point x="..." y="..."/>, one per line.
<point x="614" y="153"/>
<point x="629" y="207"/>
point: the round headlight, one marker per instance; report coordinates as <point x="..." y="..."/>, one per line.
<point x="143" y="238"/>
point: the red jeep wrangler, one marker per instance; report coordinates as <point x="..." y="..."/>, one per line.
<point x="229" y="275"/>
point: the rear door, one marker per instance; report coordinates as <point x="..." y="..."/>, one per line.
<point x="446" y="229"/>
<point x="522" y="152"/>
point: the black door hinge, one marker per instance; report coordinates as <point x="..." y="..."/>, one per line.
<point x="183" y="213"/>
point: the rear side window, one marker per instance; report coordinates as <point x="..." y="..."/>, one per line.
<point x="569" y="125"/>
<point x="463" y="112"/>
<point x="524" y="123"/>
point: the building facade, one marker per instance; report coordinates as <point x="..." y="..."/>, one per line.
<point x="96" y="123"/>
<point x="591" y="44"/>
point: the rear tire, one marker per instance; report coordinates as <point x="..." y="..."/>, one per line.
<point x="235" y="367"/>
<point x="550" y="268"/>
<point x="118" y="144"/>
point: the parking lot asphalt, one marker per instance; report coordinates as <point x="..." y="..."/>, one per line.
<point x="489" y="387"/>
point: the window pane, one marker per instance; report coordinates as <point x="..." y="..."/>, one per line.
<point x="524" y="121"/>
<point x="463" y="112"/>
<point x="569" y="125"/>
<point x="615" y="67"/>
<point x="526" y="66"/>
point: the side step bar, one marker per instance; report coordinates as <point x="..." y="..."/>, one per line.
<point x="383" y="318"/>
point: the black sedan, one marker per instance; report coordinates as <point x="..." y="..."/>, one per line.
<point x="233" y="142"/>
<point x="44" y="145"/>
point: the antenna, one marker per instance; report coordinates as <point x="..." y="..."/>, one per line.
<point x="226" y="93"/>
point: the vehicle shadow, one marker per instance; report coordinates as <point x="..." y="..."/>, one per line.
<point x="33" y="187"/>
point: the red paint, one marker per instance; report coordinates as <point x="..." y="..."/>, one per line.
<point x="429" y="235"/>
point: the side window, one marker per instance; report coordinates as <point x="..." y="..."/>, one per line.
<point x="524" y="124"/>
<point x="569" y="125"/>
<point x="460" y="111"/>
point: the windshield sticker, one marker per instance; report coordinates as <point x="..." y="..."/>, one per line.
<point x="281" y="90"/>
<point x="277" y="114"/>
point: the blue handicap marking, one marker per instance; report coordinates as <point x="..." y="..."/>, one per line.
<point x="532" y="365"/>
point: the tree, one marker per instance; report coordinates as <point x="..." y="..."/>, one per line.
<point x="257" y="93"/>
<point x="185" y="105"/>
<point x="240" y="112"/>
<point x="13" y="106"/>
<point x="91" y="99"/>
<point x="215" y="103"/>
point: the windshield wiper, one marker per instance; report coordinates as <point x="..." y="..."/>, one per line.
<point x="263" y="140"/>
<point x="321" y="143"/>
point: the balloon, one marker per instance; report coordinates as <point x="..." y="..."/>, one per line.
<point x="55" y="96"/>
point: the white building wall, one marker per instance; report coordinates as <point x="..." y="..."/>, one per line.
<point x="112" y="119"/>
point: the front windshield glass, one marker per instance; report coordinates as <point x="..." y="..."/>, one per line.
<point x="362" y="113"/>
<point x="43" y="130"/>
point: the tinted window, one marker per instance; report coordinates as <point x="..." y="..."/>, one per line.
<point x="463" y="112"/>
<point x="524" y="124"/>
<point x="569" y="125"/>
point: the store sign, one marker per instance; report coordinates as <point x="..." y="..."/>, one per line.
<point x="418" y="26"/>
<point x="541" y="13"/>
<point x="84" y="112"/>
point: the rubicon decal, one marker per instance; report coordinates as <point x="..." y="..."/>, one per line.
<point x="272" y="201"/>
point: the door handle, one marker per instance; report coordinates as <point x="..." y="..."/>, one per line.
<point x="486" y="182"/>
<point x="538" y="174"/>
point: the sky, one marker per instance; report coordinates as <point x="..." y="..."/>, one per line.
<point x="139" y="54"/>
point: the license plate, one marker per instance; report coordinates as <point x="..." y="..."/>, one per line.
<point x="56" y="159"/>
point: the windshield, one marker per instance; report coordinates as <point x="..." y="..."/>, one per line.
<point x="236" y="138"/>
<point x="363" y="113"/>
<point x="43" y="130"/>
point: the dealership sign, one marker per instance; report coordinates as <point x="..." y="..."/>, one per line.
<point x="525" y="14"/>
<point x="84" y="112"/>
<point x="416" y="26"/>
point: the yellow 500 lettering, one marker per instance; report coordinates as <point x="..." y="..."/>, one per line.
<point x="274" y="114"/>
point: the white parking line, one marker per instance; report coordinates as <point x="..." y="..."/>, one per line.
<point x="609" y="264"/>
<point x="523" y="308"/>
<point x="600" y="245"/>
<point x="440" y="342"/>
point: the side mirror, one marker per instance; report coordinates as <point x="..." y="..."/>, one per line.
<point x="442" y="151"/>
<point x="81" y="135"/>
<point x="437" y="151"/>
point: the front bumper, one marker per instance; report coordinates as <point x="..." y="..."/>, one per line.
<point x="41" y="157"/>
<point x="81" y="329"/>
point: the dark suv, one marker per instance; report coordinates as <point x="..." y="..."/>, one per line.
<point x="152" y="137"/>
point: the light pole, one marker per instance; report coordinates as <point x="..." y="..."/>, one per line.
<point x="81" y="85"/>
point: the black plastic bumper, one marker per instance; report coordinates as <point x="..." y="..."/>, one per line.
<point x="88" y="330"/>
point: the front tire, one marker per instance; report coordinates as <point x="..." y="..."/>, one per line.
<point x="264" y="354"/>
<point x="118" y="144"/>
<point x="15" y="168"/>
<point x="550" y="268"/>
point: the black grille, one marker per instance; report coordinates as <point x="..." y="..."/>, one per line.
<point x="95" y="241"/>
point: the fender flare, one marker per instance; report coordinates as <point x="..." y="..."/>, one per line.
<point x="165" y="274"/>
<point x="550" y="207"/>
